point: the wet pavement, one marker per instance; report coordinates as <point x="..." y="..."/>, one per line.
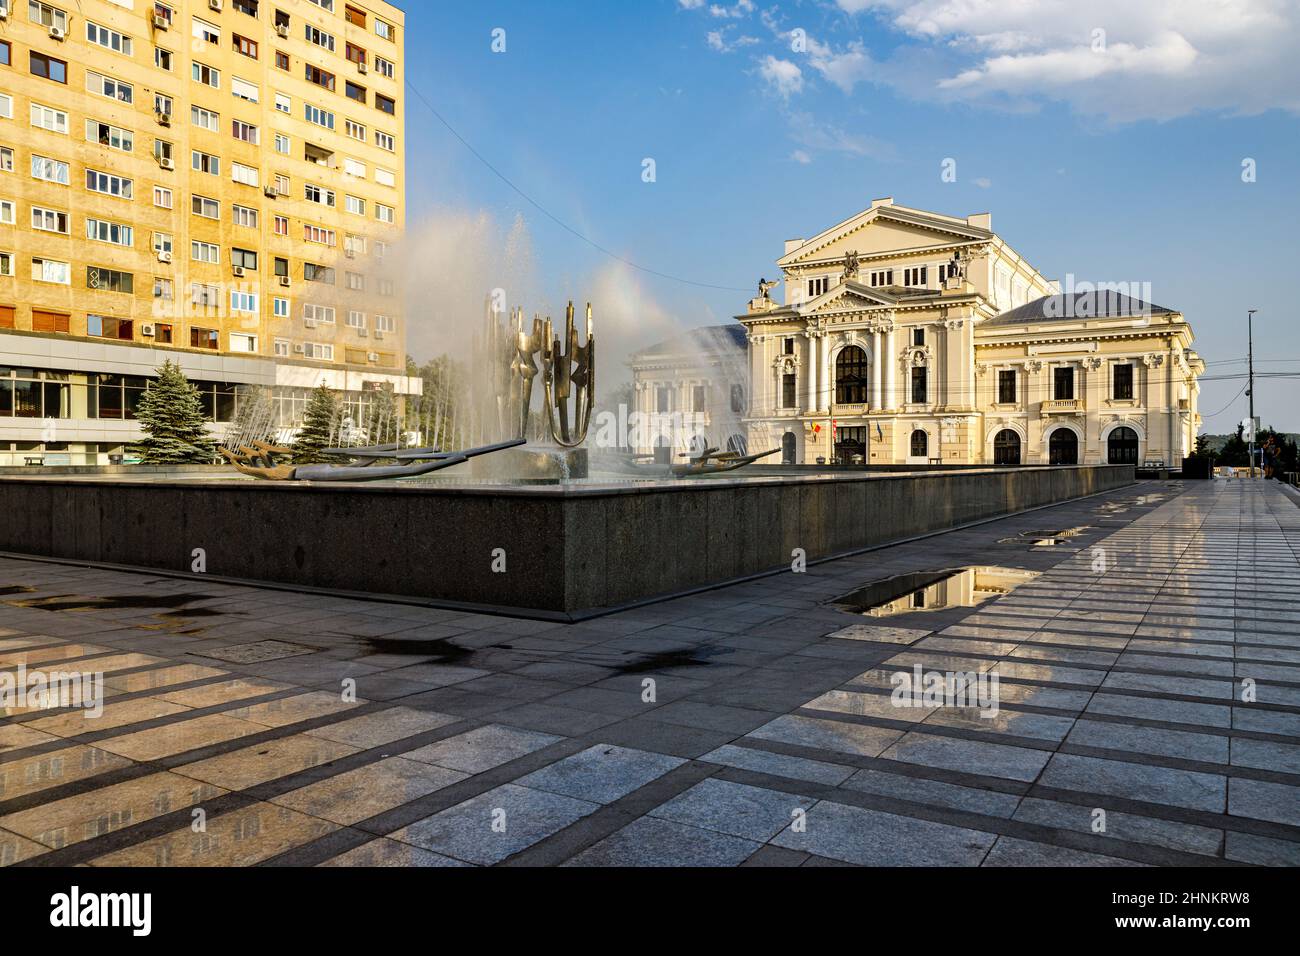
<point x="1135" y="703"/>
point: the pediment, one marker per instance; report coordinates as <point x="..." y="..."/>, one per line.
<point x="849" y="297"/>
<point x="884" y="229"/>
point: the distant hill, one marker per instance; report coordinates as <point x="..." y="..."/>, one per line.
<point x="1216" y="442"/>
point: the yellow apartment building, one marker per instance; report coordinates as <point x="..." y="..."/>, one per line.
<point x="218" y="182"/>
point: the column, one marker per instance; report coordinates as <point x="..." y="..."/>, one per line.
<point x="891" y="371"/>
<point x="824" y="379"/>
<point x="876" y="377"/>
<point x="811" y="365"/>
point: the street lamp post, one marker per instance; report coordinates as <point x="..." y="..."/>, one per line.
<point x="1250" y="386"/>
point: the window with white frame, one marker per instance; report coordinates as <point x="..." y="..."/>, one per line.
<point x="47" y="15"/>
<point x="385" y="68"/>
<point x="50" y="170"/>
<point x="354" y="168"/>
<point x="108" y="39"/>
<point x="48" y="118"/>
<point x="386" y="141"/>
<point x="246" y="132"/>
<point x="105" y="134"/>
<point x="283" y="145"/>
<point x="6" y="264"/>
<point x="319" y="117"/>
<point x="7" y="208"/>
<point x="51" y="270"/>
<point x="385" y="214"/>
<point x="283" y="103"/>
<point x="110" y="87"/>
<point x="205" y="252"/>
<point x="115" y="233"/>
<point x="49" y="220"/>
<point x="205" y="207"/>
<point x="355" y="205"/>
<point x="244" y="89"/>
<point x="6" y="106"/>
<point x="386" y="177"/>
<point x="318" y="314"/>
<point x="202" y="162"/>
<point x="280" y="307"/>
<point x="385" y="323"/>
<point x="205" y="31"/>
<point x="245" y="175"/>
<point x="243" y="342"/>
<point x="205" y="119"/>
<point x="316" y="350"/>
<point x="283" y="348"/>
<point x="356" y="320"/>
<point x="355" y="130"/>
<point x="109" y="185"/>
<point x="320" y="38"/>
<point x="245" y="216"/>
<point x="319" y="195"/>
<point x="6" y="159"/>
<point x="243" y="301"/>
<point x="162" y="197"/>
<point x="162" y="243"/>
<point x="319" y="234"/>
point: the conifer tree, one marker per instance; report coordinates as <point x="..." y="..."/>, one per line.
<point x="176" y="430"/>
<point x="318" y="427"/>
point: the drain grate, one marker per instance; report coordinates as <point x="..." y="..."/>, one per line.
<point x="259" y="652"/>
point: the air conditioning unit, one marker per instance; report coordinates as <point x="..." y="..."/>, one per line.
<point x="363" y="332"/>
<point x="214" y="5"/>
<point x="161" y="22"/>
<point x="350" y="253"/>
<point x="239" y="272"/>
<point x="164" y="118"/>
<point x="362" y="68"/>
<point x="284" y="281"/>
<point x="379" y="336"/>
<point x="300" y="350"/>
<point x="57" y="33"/>
<point x="147" y="331"/>
<point x="372" y="357"/>
<point x="164" y="256"/>
<point x="166" y="163"/>
<point x="270" y="192"/>
<point x="282" y="29"/>
<point x="310" y="323"/>
<point x="4" y="12"/>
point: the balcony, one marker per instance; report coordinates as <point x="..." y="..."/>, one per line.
<point x="1063" y="406"/>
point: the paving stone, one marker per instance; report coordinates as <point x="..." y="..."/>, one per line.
<point x="1264" y="800"/>
<point x="1207" y="748"/>
<point x="1119" y="825"/>
<point x="736" y="809"/>
<point x="1261" y="850"/>
<point x="969" y="756"/>
<point x="1009" y="851"/>
<point x="1137" y="781"/>
<point x="832" y="735"/>
<point x="874" y="838"/>
<point x="654" y="842"/>
<point x="602" y="773"/>
<point x="484" y="748"/>
<point x="934" y="792"/>
<point x="495" y="825"/>
<point x="779" y="765"/>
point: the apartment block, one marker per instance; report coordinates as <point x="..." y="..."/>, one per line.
<point x="215" y="182"/>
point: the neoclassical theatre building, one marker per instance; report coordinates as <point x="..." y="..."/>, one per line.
<point x="908" y="336"/>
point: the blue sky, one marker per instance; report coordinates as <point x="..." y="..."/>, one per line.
<point x="1114" y="157"/>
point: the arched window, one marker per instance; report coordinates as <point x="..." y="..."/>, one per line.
<point x="1122" y="446"/>
<point x="852" y="375"/>
<point x="1063" y="447"/>
<point x="737" y="443"/>
<point x="920" y="444"/>
<point x="1006" y="448"/>
<point x="787" y="448"/>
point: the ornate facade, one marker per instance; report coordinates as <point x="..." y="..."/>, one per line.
<point x="912" y="337"/>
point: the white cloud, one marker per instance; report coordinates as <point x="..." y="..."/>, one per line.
<point x="801" y="156"/>
<point x="782" y="76"/>
<point x="742" y="8"/>
<point x="815" y="134"/>
<point x="983" y="182"/>
<point x="717" y="40"/>
<point x="1159" y="59"/>
<point x="690" y="4"/>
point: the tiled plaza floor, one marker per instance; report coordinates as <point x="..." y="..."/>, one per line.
<point x="1149" y="713"/>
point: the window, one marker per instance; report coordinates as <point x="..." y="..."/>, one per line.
<point x="49" y="220"/>
<point x="356" y="54"/>
<point x="207" y="32"/>
<point x="317" y="351"/>
<point x="355" y="130"/>
<point x="319" y="194"/>
<point x="355" y="91"/>
<point x="1063" y="384"/>
<point x="107" y="86"/>
<point x="1007" y="387"/>
<point x="317" y="273"/>
<point x="324" y="4"/>
<point x="320" y="38"/>
<point x="163" y="105"/>
<point x="204" y="339"/>
<point x="317" y="314"/>
<point x="1122" y="446"/>
<point x="318" y="234"/>
<point x="243" y="342"/>
<point x="281" y="61"/>
<point x="385" y="31"/>
<point x="245" y="46"/>
<point x="7" y="208"/>
<point x="356" y="282"/>
<point x="108" y="39"/>
<point x="50" y="170"/>
<point x="1006" y="448"/>
<point x="1123" y="379"/>
<point x="355" y="246"/>
<point x="109" y="280"/>
<point x="282" y="227"/>
<point x="103" y="326"/>
<point x="109" y="184"/>
<point x="243" y="259"/>
<point x="244" y="89"/>
<point x="243" y="302"/>
<point x="355" y="206"/>
<point x="47" y="15"/>
<point x="280" y="308"/>
<point x="116" y="233"/>
<point x="49" y="68"/>
<point x="281" y="185"/>
<point x="114" y="137"/>
<point x="354" y="16"/>
<point x="207" y="208"/>
<point x="320" y="77"/>
<point x="205" y="119"/>
<point x="6" y="266"/>
<point x="919" y="386"/>
<point x="6" y="159"/>
<point x="282" y="348"/>
<point x="245" y="216"/>
<point x="48" y="118"/>
<point x="386" y="104"/>
<point x="246" y="6"/>
<point x="386" y="177"/>
<point x="5" y="54"/>
<point x="385" y="213"/>
<point x="162" y="59"/>
<point x="916" y="276"/>
<point x="282" y="144"/>
<point x="205" y="252"/>
<point x="918" y="337"/>
<point x="319" y="116"/>
<point x="245" y="175"/>
<point x="162" y="334"/>
<point x="162" y="243"/>
<point x="43" y="321"/>
<point x="244" y="131"/>
<point x="788" y="390"/>
<point x="387" y="287"/>
<point x="386" y="141"/>
<point x="356" y="320"/>
<point x="386" y="323"/>
<point x="852" y="376"/>
<point x="1063" y="447"/>
<point x="283" y="103"/>
<point x="207" y="75"/>
<point x="6" y="106"/>
<point x="203" y="162"/>
<point x="882" y="277"/>
<point x="162" y="197"/>
<point x="920" y="444"/>
<point x="281" y="267"/>
<point x="385" y="68"/>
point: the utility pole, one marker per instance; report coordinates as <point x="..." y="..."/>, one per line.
<point x="1250" y="387"/>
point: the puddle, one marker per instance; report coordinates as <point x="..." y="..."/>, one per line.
<point x="686" y="657"/>
<point x="1045" y="539"/>
<point x="71" y="602"/>
<point x="933" y="590"/>
<point x="445" y="650"/>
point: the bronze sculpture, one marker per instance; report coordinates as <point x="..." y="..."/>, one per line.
<point x="259" y="461"/>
